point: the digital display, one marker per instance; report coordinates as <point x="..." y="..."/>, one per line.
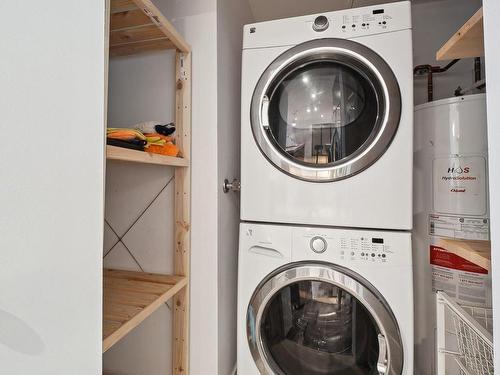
<point x="377" y="240"/>
<point x="378" y="11"/>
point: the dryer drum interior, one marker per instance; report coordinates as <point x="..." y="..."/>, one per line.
<point x="326" y="109"/>
<point x="322" y="319"/>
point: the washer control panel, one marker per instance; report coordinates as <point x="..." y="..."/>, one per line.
<point x="351" y="246"/>
<point x="368" y="249"/>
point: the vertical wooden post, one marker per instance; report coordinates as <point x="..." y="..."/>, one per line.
<point x="180" y="357"/>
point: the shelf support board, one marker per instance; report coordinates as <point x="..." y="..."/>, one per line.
<point x="475" y="251"/>
<point x="468" y="41"/>
<point x="135" y="156"/>
<point x="180" y="358"/>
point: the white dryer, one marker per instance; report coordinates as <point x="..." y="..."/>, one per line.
<point x="327" y="119"/>
<point x="322" y="301"/>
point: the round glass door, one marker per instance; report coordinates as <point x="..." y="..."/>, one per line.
<point x="326" y="109"/>
<point x="321" y="319"/>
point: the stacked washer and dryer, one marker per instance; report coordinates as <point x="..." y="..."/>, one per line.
<point x="325" y="281"/>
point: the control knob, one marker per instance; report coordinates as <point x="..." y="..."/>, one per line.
<point x="320" y="23"/>
<point x="318" y="244"/>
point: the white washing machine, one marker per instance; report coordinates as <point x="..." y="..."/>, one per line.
<point x="324" y="301"/>
<point x="327" y="119"/>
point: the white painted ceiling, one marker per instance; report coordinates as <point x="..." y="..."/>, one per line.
<point x="264" y="10"/>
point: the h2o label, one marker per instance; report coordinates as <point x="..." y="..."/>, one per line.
<point x="459" y="185"/>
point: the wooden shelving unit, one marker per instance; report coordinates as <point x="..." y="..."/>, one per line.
<point x="133" y="156"/>
<point x="468" y="41"/>
<point x="477" y="252"/>
<point x="137" y="26"/>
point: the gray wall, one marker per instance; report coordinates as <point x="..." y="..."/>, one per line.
<point x="231" y="16"/>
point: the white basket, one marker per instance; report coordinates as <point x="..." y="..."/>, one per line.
<point x="464" y="333"/>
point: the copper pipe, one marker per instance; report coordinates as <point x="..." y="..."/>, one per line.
<point x="430" y="70"/>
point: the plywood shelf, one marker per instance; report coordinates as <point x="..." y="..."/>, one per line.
<point x="477" y="252"/>
<point x="137" y="26"/>
<point x="468" y="41"/>
<point x="134" y="156"/>
<point x="130" y="297"/>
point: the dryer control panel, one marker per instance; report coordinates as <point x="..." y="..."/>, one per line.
<point x="347" y="23"/>
<point x="365" y="20"/>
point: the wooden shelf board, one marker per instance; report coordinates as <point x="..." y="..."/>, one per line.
<point x="130" y="297"/>
<point x="137" y="26"/>
<point x="477" y="252"/>
<point x="122" y="5"/>
<point x="468" y="41"/>
<point x="134" y="156"/>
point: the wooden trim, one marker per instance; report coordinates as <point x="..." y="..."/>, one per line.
<point x="130" y="297"/>
<point x="180" y="357"/>
<point x="468" y="41"/>
<point x="134" y="156"/>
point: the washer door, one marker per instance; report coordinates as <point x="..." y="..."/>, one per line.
<point x="320" y="319"/>
<point x="326" y="109"/>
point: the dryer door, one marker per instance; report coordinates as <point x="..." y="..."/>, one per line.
<point x="320" y="319"/>
<point x="325" y="110"/>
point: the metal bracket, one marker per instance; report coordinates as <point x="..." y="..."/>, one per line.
<point x="235" y="185"/>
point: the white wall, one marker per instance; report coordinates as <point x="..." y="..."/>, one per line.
<point x="142" y="88"/>
<point x="52" y="74"/>
<point x="231" y="16"/>
<point x="434" y="22"/>
<point x="491" y="16"/>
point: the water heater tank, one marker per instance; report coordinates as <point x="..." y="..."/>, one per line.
<point x="450" y="201"/>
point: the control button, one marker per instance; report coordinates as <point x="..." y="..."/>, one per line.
<point x="320" y="23"/>
<point x="373" y="255"/>
<point x="353" y="25"/>
<point x="362" y="254"/>
<point x="318" y="244"/>
<point x="343" y="26"/>
<point x="384" y="23"/>
<point x="383" y="255"/>
<point x="363" y="24"/>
